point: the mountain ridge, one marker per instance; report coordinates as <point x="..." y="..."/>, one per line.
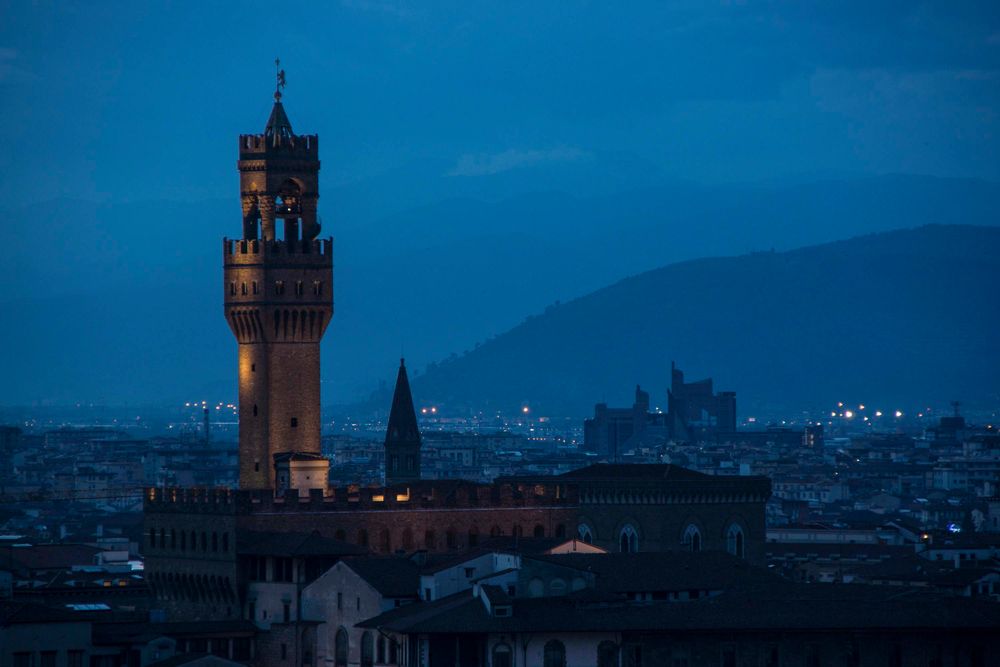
<point x="543" y="361"/>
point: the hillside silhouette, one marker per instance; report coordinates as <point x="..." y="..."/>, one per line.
<point x="898" y="317"/>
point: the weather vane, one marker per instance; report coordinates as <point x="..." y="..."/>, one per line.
<point x="280" y="77"/>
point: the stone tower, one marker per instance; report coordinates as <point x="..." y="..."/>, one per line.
<point x="278" y="296"/>
<point x="402" y="435"/>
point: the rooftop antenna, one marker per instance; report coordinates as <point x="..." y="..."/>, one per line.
<point x="279" y="75"/>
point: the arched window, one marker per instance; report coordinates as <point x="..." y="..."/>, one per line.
<point x="362" y="537"/>
<point x="340" y="649"/>
<point x="518" y="531"/>
<point x="380" y="650"/>
<point x="367" y="649"/>
<point x="692" y="538"/>
<point x="385" y="541"/>
<point x="555" y="654"/>
<point x="607" y="654"/>
<point x="585" y="533"/>
<point x="430" y="540"/>
<point x="734" y="540"/>
<point x="536" y="588"/>
<point x="628" y="539"/>
<point x="407" y="539"/>
<point x="502" y="656"/>
<point x="451" y="538"/>
<point x="557" y="587"/>
<point x="473" y="537"/>
<point x="561" y="531"/>
<point x="539" y="531"/>
<point x="495" y="531"/>
<point x="340" y="535"/>
<point x="225" y="542"/>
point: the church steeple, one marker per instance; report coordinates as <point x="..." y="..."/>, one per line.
<point x="402" y="435"/>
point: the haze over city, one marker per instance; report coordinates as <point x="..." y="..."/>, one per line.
<point x="481" y="163"/>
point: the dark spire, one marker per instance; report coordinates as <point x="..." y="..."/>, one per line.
<point x="278" y="124"/>
<point x="402" y="428"/>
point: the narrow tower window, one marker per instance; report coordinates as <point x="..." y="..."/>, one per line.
<point x="254" y="284"/>
<point x="295" y="422"/>
<point x="279" y="287"/>
<point x="243" y="289"/>
<point x="299" y="290"/>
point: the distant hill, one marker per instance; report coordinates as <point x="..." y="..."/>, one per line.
<point x="122" y="301"/>
<point x="898" y="317"/>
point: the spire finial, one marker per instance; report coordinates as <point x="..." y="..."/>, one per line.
<point x="279" y="75"/>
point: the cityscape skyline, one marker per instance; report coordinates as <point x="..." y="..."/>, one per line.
<point x="695" y="423"/>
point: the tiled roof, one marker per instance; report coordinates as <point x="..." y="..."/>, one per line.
<point x="664" y="571"/>
<point x="48" y="556"/>
<point x="29" y="612"/>
<point x="634" y="471"/>
<point x="778" y="607"/>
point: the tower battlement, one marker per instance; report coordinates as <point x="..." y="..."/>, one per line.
<point x="257" y="146"/>
<point x="421" y="495"/>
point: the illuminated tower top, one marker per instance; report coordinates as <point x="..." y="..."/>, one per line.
<point x="279" y="178"/>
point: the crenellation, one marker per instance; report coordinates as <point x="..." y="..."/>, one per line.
<point x="251" y="251"/>
<point x="306" y="145"/>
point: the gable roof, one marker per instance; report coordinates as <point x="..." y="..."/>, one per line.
<point x="391" y="576"/>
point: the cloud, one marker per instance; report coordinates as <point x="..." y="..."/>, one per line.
<point x="485" y="164"/>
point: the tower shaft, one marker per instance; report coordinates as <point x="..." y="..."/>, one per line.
<point x="278" y="298"/>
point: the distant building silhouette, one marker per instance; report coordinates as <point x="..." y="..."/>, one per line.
<point x="693" y="406"/>
<point x="694" y="411"/>
<point x="402" y="435"/>
<point x="612" y="431"/>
